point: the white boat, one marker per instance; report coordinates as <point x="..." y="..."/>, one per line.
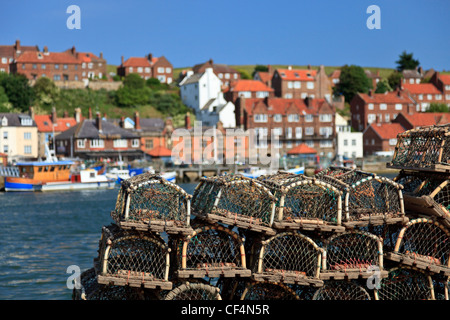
<point x="118" y="174"/>
<point x="86" y="179"/>
<point x="169" y="176"/>
<point x="255" y="172"/>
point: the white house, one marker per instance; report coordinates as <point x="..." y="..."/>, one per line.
<point x="218" y="109"/>
<point x="348" y="144"/>
<point x="199" y="88"/>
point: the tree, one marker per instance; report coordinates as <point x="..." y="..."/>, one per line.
<point x="4" y="103"/>
<point x="244" y="74"/>
<point x="258" y="68"/>
<point x="437" y="107"/>
<point x="134" y="81"/>
<point x="352" y="80"/>
<point x="19" y="92"/>
<point x="406" y="62"/>
<point x="383" y="86"/>
<point x="46" y="92"/>
<point x="394" y="79"/>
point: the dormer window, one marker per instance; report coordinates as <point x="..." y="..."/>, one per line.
<point x="26" y="121"/>
<point x="4" y="122"/>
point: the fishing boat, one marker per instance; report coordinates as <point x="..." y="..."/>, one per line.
<point x="255" y="172"/>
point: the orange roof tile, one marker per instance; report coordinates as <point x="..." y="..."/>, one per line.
<point x="387" y="97"/>
<point x="302" y="149"/>
<point x="297" y="74"/>
<point x="387" y="130"/>
<point x="265" y="76"/>
<point x="44" y="123"/>
<point x="160" y="152"/>
<point x="445" y="78"/>
<point x="136" y="62"/>
<point x="422" y="119"/>
<point x="50" y="57"/>
<point x="249" y="85"/>
<point x="276" y="105"/>
<point x="421" y="88"/>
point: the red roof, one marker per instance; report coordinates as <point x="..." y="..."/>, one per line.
<point x="50" y="57"/>
<point x="297" y="74"/>
<point x="265" y="76"/>
<point x="281" y="105"/>
<point x="422" y="119"/>
<point x="445" y="78"/>
<point x="387" y="97"/>
<point x="421" y="88"/>
<point x="160" y="152"/>
<point x="387" y="131"/>
<point x="302" y="149"/>
<point x="249" y="85"/>
<point x="44" y="123"/>
<point x="136" y="62"/>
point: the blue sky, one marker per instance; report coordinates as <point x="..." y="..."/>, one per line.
<point x="235" y="32"/>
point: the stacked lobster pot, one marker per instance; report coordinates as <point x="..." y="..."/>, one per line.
<point x="423" y="157"/>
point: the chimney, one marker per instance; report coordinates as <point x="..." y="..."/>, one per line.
<point x="399" y="92"/>
<point x="420" y="70"/>
<point x="73" y="51"/>
<point x="54" y="117"/>
<point x="308" y="101"/>
<point x="187" y="121"/>
<point x="66" y="114"/>
<point x="137" y="123"/>
<point x="150" y="57"/>
<point x="211" y="62"/>
<point x="370" y="92"/>
<point x="101" y="55"/>
<point x="98" y="122"/>
<point x="17" y="46"/>
<point x="45" y="49"/>
<point x="77" y="115"/>
<point x="242" y="103"/>
<point x="121" y="59"/>
<point x="309" y="67"/>
<point x="269" y="69"/>
<point x="31" y="112"/>
<point x="122" y="122"/>
<point x="289" y="67"/>
<point x="90" y="113"/>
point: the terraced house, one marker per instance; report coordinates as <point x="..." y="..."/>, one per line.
<point x="18" y="136"/>
<point x="10" y="52"/>
<point x="147" y="67"/>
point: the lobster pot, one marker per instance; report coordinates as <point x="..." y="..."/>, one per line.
<point x="425" y="244"/>
<point x="367" y="198"/>
<point x="427" y="195"/>
<point x="426" y="149"/>
<point x="236" y="201"/>
<point x="149" y="202"/>
<point x="92" y="290"/>
<point x="306" y="204"/>
<point x="441" y="287"/>
<point x="133" y="258"/>
<point x="290" y="258"/>
<point x="268" y="291"/>
<point x="212" y="251"/>
<point x="353" y="255"/>
<point x="194" y="291"/>
<point x="388" y="233"/>
<point x="341" y="290"/>
<point x="405" y="283"/>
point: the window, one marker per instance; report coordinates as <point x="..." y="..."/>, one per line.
<point x="277" y="118"/>
<point x="293" y="117"/>
<point x="246" y="94"/>
<point x="57" y="66"/>
<point x="65" y="66"/>
<point x="149" y="144"/>
<point x="26" y="121"/>
<point x="120" y="143"/>
<point x="387" y="117"/>
<point x="90" y="65"/>
<point x="309" y="131"/>
<point x="325" y="117"/>
<point x="43" y="66"/>
<point x="310" y="85"/>
<point x="97" y="143"/>
<point x="309" y="118"/>
<point x="27" y="149"/>
<point x="83" y="65"/>
<point x="140" y="69"/>
<point x="371" y="118"/>
<point x="370" y="106"/>
<point x="278" y="131"/>
<point x="288" y="96"/>
<point x="290" y="84"/>
<point x="23" y="66"/>
<point x="235" y="76"/>
<point x="27" y="135"/>
<point x="297" y="85"/>
<point x="260" y="118"/>
<point x="80" y="143"/>
<point x="298" y="132"/>
<point x="147" y="70"/>
<point x="398" y="106"/>
<point x="76" y="67"/>
<point x="383" y="106"/>
<point x="34" y="66"/>
<point x="227" y="76"/>
<point x="438" y="97"/>
<point x="429" y="96"/>
<point x="5" y="135"/>
<point x="220" y="75"/>
<point x="168" y="70"/>
<point x="353" y="142"/>
<point x="420" y="96"/>
<point x="4" y="60"/>
<point x="392" y="142"/>
<point x="326" y="131"/>
<point x="135" y="143"/>
<point x="373" y="141"/>
<point x="326" y="143"/>
<point x="57" y="77"/>
<point x="76" y="77"/>
<point x="345" y="142"/>
<point x="262" y="94"/>
<point x="162" y="78"/>
<point x="130" y="69"/>
<point x="289" y="133"/>
<point x="5" y="148"/>
<point x="160" y="70"/>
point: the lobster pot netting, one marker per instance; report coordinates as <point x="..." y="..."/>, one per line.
<point x="290" y="258"/>
<point x="341" y="290"/>
<point x="147" y="201"/>
<point x="91" y="290"/>
<point x="302" y="202"/>
<point x="405" y="283"/>
<point x="268" y="291"/>
<point x="235" y="200"/>
<point x="441" y="287"/>
<point x="212" y="251"/>
<point x="423" y="148"/>
<point x="194" y="291"/>
<point x="133" y="258"/>
<point x="423" y="243"/>
<point x="352" y="253"/>
<point x="388" y="233"/>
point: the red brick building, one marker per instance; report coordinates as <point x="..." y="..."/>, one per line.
<point x="424" y="94"/>
<point x="248" y="89"/>
<point x="442" y="83"/>
<point x="58" y="66"/>
<point x="381" y="137"/>
<point x="10" y="52"/>
<point x="225" y="73"/>
<point x="295" y="121"/>
<point x="92" y="66"/>
<point x="422" y="119"/>
<point x="379" y="107"/>
<point x="147" y="67"/>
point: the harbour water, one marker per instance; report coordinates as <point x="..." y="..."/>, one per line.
<point x="42" y="234"/>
